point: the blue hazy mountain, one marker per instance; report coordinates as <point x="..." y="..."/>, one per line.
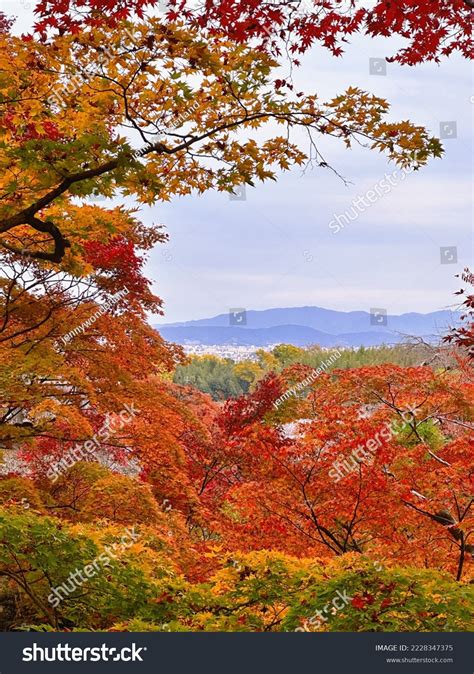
<point x="303" y="326"/>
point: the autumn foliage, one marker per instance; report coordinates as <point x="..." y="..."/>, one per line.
<point x="246" y="515"/>
<point x="432" y="29"/>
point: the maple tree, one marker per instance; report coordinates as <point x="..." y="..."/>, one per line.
<point x="69" y="105"/>
<point x="142" y="589"/>
<point x="242" y="508"/>
<point x="432" y="29"/>
<point x="68" y="109"/>
<point x="463" y="335"/>
<point x="420" y="472"/>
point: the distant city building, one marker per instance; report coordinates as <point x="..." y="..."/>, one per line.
<point x="236" y="353"/>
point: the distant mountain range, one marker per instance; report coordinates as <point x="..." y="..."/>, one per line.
<point x="303" y="326"/>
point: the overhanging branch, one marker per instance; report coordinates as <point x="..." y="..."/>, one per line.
<point x="47" y="227"/>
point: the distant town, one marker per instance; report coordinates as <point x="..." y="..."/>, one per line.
<point x="235" y="352"/>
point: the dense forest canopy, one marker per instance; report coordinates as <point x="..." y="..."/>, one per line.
<point x="223" y="378"/>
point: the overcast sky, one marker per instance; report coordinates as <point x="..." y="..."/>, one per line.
<point x="276" y="249"/>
